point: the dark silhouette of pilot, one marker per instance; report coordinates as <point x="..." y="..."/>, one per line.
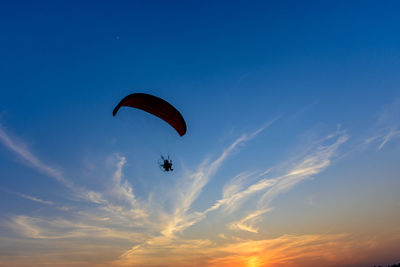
<point x="167" y="165"/>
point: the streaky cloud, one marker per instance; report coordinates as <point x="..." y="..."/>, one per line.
<point x="28" y="197"/>
<point x="122" y="190"/>
<point x="193" y="183"/>
<point x="311" y="164"/>
<point x="246" y="223"/>
<point x="35" y="199"/>
<point x="33" y="161"/>
<point x="29" y="158"/>
<point x="392" y="134"/>
<point x="387" y="126"/>
<point x="41" y="228"/>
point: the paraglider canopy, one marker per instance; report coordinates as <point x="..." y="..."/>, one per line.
<point x="156" y="106"/>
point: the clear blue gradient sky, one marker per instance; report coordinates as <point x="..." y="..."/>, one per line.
<point x="291" y="157"/>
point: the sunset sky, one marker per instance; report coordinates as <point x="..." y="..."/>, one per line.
<point x="292" y="150"/>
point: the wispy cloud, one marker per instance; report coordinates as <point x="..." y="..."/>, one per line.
<point x="35" y="199"/>
<point x="122" y="189"/>
<point x="387" y="126"/>
<point x="46" y="228"/>
<point x="193" y="183"/>
<point x="30" y="159"/>
<point x="235" y="193"/>
<point x="231" y="202"/>
<point x="392" y="134"/>
<point x="32" y="198"/>
<point x="115" y="209"/>
<point x="246" y="223"/>
<point x="311" y="164"/>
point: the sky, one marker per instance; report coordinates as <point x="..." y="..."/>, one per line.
<point x="291" y="156"/>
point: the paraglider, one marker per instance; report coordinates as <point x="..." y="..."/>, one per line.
<point x="160" y="108"/>
<point x="156" y="106"/>
<point x="167" y="164"/>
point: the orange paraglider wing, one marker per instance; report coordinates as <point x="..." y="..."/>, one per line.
<point x="156" y="106"/>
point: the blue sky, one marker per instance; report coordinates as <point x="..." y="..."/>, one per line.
<point x="293" y="130"/>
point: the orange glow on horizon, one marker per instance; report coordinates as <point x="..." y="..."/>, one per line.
<point x="287" y="250"/>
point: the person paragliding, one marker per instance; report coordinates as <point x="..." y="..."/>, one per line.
<point x="160" y="108"/>
<point x="167" y="164"/>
